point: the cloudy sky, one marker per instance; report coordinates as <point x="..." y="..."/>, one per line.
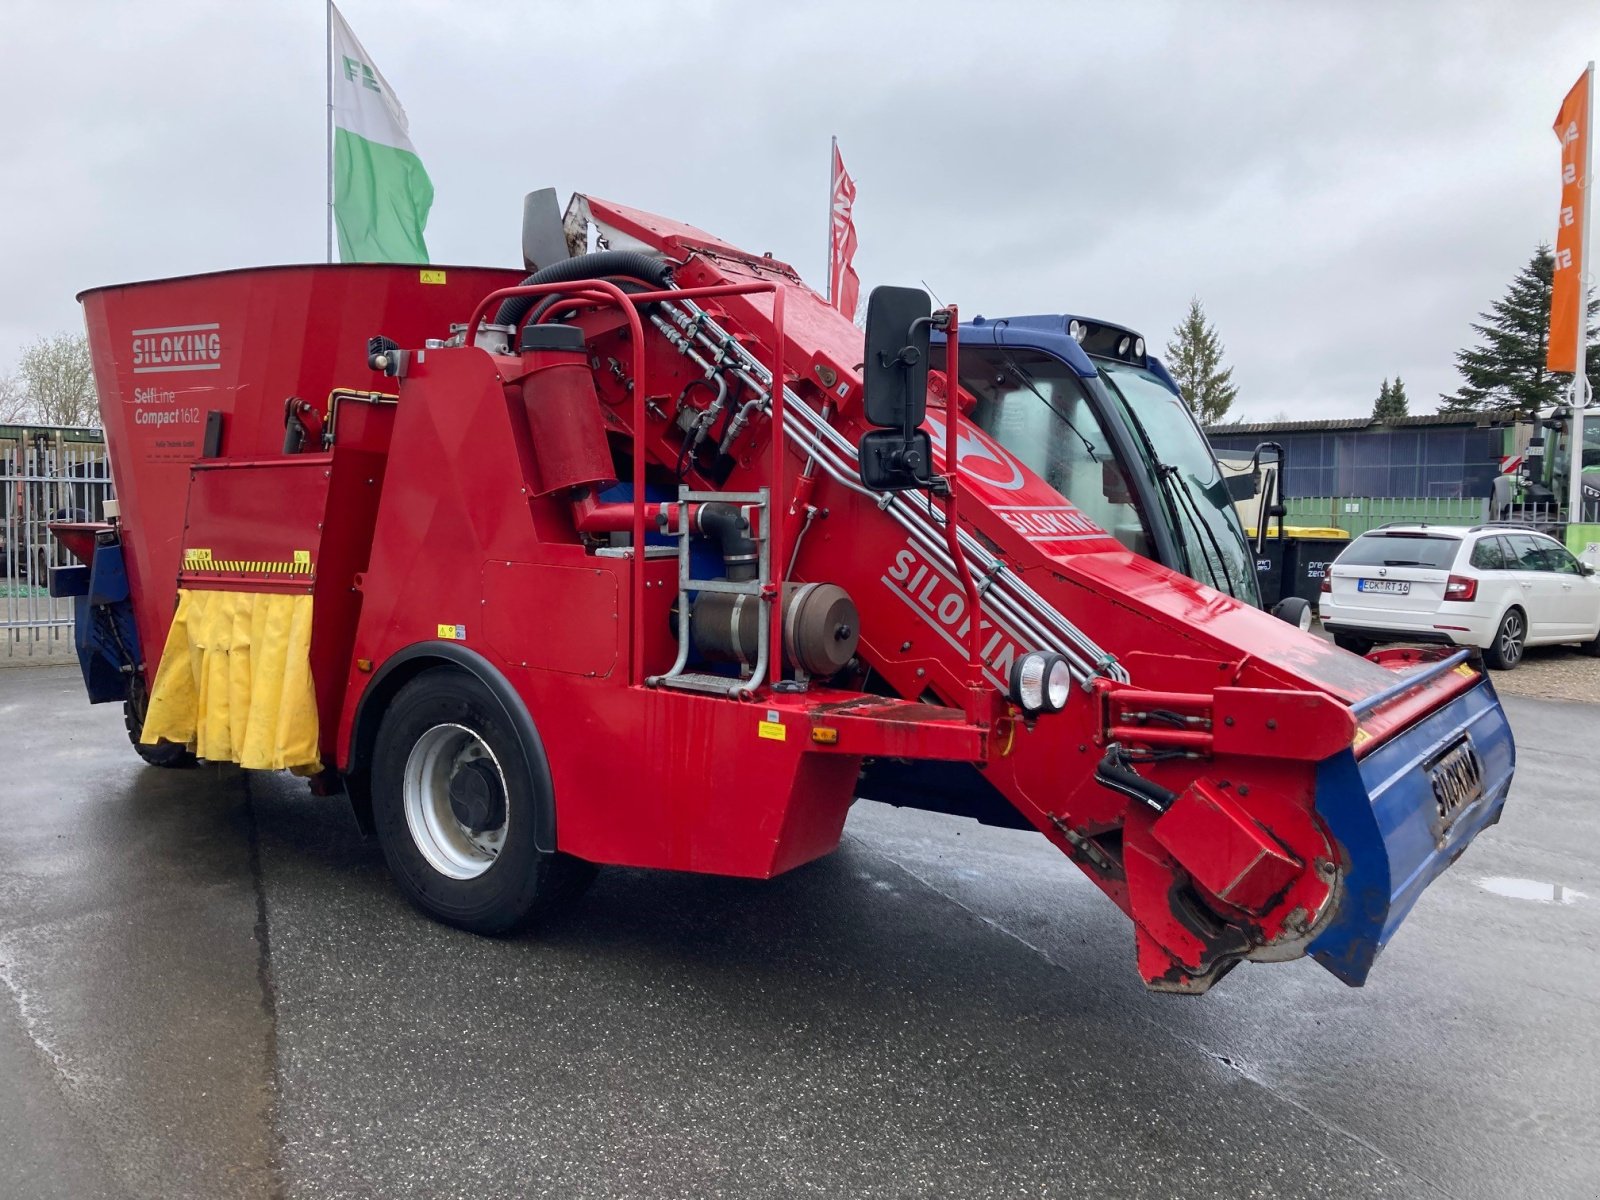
<point x="1343" y="185"/>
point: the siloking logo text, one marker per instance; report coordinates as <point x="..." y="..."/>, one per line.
<point x="177" y="348"/>
<point x="940" y="601"/>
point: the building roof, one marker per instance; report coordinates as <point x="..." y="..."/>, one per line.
<point x="1476" y="420"/>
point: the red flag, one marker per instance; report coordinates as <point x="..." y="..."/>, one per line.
<point x="844" y="286"/>
<point x="1572" y="128"/>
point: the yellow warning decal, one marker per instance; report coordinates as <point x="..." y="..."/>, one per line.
<point x="202" y="560"/>
<point x="1465" y="670"/>
<point x="1361" y="736"/>
<point x="773" y="730"/>
<point x="454" y="633"/>
<point x="428" y="276"/>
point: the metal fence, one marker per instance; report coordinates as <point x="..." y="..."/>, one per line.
<point x="1357" y="514"/>
<point x="40" y="483"/>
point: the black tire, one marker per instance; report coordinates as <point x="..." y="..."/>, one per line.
<point x="1592" y="646"/>
<point x="1510" y="641"/>
<point x="170" y="755"/>
<point x="1353" y="644"/>
<point x="520" y="883"/>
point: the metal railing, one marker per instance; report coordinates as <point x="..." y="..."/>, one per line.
<point x="41" y="483"/>
<point x="1357" y="514"/>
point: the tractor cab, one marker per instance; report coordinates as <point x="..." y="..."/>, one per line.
<point x="1086" y="408"/>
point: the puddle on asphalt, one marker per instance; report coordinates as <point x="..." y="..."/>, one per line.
<point x="1536" y="890"/>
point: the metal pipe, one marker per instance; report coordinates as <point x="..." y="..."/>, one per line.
<point x="911" y="520"/>
<point x="952" y="527"/>
<point x="773" y="548"/>
<point x="1094" y="661"/>
<point x="1410" y="683"/>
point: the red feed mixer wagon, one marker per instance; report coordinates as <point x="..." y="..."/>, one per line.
<point x="643" y="559"/>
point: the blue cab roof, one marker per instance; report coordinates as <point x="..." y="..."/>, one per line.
<point x="1047" y="332"/>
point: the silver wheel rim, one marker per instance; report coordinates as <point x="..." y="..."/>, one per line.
<point x="449" y="846"/>
<point x="1511" y="638"/>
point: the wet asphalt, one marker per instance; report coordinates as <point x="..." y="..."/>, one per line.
<point x="209" y="988"/>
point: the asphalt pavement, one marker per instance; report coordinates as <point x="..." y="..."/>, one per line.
<point x="210" y="988"/>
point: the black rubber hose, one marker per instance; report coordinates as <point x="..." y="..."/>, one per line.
<point x="585" y="266"/>
<point x="727" y="525"/>
<point x="1115" y="772"/>
<point x="555" y="299"/>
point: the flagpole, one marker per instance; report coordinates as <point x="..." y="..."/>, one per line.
<point x="833" y="182"/>
<point x="327" y="49"/>
<point x="1580" y="376"/>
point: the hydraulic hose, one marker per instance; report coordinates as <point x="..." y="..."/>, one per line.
<point x="726" y="524"/>
<point x="1116" y="772"/>
<point x="598" y="265"/>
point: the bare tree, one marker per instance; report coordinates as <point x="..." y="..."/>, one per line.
<point x="14" y="405"/>
<point x="59" y="380"/>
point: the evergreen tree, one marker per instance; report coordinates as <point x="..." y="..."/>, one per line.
<point x="1391" y="403"/>
<point x="1506" y="368"/>
<point x="1194" y="356"/>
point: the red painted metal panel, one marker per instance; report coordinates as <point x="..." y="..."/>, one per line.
<point x="167" y="352"/>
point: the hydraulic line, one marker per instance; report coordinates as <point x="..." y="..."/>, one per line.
<point x="935" y="547"/>
<point x="1008" y="598"/>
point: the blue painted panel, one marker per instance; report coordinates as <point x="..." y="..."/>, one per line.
<point x="1383" y="812"/>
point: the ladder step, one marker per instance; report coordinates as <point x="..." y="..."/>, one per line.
<point x="713" y="685"/>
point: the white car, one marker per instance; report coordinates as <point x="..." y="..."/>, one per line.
<point x="1502" y="589"/>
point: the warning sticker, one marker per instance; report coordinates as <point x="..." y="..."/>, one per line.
<point x="455" y="633"/>
<point x="772" y="730"/>
<point x="428" y="276"/>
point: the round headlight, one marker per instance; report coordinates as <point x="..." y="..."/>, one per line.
<point x="1041" y="682"/>
<point x="1028" y="681"/>
<point x="1122" y="346"/>
<point x="1138" y="347"/>
<point x="1075" y="330"/>
<point x="1058" y="685"/>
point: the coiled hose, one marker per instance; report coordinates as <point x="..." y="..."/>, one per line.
<point x="626" y="263"/>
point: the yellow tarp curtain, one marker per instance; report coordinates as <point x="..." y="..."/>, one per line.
<point x="234" y="681"/>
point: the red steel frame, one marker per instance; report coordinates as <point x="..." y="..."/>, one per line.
<point x="598" y="293"/>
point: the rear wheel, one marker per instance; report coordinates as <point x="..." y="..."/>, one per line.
<point x="456" y="809"/>
<point x="162" y="754"/>
<point x="1353" y="644"/>
<point x="1510" y="639"/>
<point x="1592" y="646"/>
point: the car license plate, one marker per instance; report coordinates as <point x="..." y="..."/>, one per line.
<point x="1457" y="779"/>
<point x="1392" y="587"/>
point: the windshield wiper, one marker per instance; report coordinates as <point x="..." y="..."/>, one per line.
<point x="1027" y="381"/>
<point x="1186" y="494"/>
<point x="1178" y="496"/>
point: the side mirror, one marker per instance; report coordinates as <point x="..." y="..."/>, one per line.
<point x="898" y="455"/>
<point x="1244" y="487"/>
<point x="895" y="376"/>
<point x="892" y="462"/>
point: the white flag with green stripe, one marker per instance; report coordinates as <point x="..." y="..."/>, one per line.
<point x="381" y="193"/>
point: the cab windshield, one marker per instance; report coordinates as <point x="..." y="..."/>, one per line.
<point x="1176" y="450"/>
<point x="1035" y="406"/>
<point x="1042" y="411"/>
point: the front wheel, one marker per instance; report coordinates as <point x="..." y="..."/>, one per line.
<point x="1354" y="645"/>
<point x="1510" y="639"/>
<point x="456" y="809"/>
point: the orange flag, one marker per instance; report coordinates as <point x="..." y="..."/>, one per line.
<point x="1566" y="294"/>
